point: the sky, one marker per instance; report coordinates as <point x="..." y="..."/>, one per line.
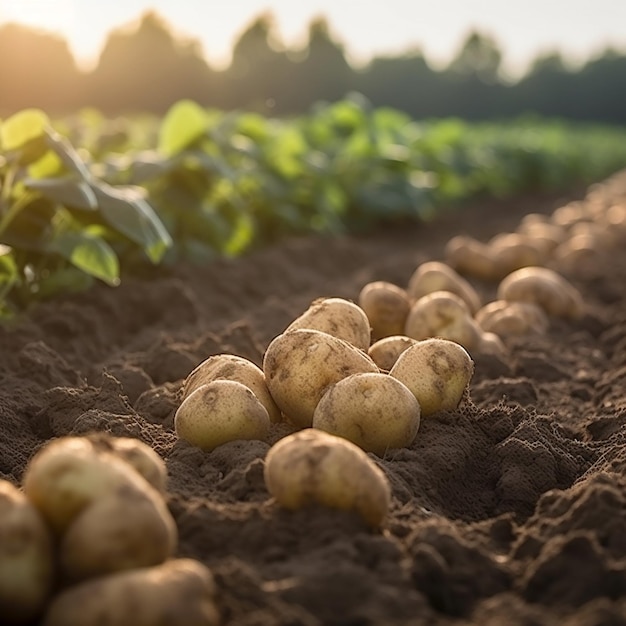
<point x="523" y="29"/>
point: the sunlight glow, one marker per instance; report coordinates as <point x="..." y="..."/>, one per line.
<point x="522" y="28"/>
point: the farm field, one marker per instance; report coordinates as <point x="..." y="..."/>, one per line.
<point x="508" y="510"/>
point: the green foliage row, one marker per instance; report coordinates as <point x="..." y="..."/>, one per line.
<point x="200" y="184"/>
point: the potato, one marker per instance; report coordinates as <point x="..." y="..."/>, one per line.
<point x="128" y="528"/>
<point x="232" y="367"/>
<point x="338" y="317"/>
<point x="26" y="558"/>
<point x="386" y="306"/>
<point x="470" y="257"/>
<point x="385" y="351"/>
<point x="180" y="592"/>
<point x="70" y="473"/>
<point x="442" y="314"/>
<point x="374" y="411"/>
<point x="512" y="318"/>
<point x="490" y="343"/>
<point x="545" y="236"/>
<point x="435" y="276"/>
<point x="437" y="371"/>
<point x="511" y="251"/>
<point x="142" y="458"/>
<point x="300" y="364"/>
<point x="313" y="467"/>
<point x="219" y="412"/>
<point x="544" y="287"/>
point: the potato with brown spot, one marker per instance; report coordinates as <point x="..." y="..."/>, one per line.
<point x="545" y="288"/>
<point x="232" y="367"/>
<point x="300" y="364"/>
<point x="437" y="371"/>
<point x="442" y="314"/>
<point x="218" y="412"/>
<point x="26" y="558"/>
<point x="386" y="306"/>
<point x="375" y="411"/>
<point x="180" y="592"/>
<point x="385" y="351"/>
<point x="312" y="467"/>
<point x="436" y="276"/>
<point x="338" y="317"/>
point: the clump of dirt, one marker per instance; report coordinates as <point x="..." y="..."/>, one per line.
<point x="508" y="510"/>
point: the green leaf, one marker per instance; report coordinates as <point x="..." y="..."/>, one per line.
<point x="126" y="211"/>
<point x="68" y="155"/>
<point x="185" y="123"/>
<point x="89" y="253"/>
<point x="19" y="130"/>
<point x="8" y="269"/>
<point x="65" y="191"/>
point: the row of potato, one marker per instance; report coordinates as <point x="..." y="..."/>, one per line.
<point x="89" y="541"/>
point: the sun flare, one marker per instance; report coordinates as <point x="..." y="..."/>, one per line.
<point x="51" y="15"/>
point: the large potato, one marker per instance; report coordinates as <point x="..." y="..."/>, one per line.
<point x="70" y="473"/>
<point x="436" y="276"/>
<point x="232" y="367"/>
<point x="374" y="411"/>
<point x="437" y="371"/>
<point x="219" y="412"/>
<point x="180" y="592"/>
<point x="127" y="528"/>
<point x="442" y="314"/>
<point x="386" y="306"/>
<point x="545" y="288"/>
<point x="338" y="317"/>
<point x="26" y="558"/>
<point x="300" y="364"/>
<point x="313" y="467"/>
<point x="385" y="351"/>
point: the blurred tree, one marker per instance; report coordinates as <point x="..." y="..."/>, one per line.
<point x="148" y="69"/>
<point x="323" y="73"/>
<point x="259" y="74"/>
<point x="37" y="69"/>
<point x="479" y="56"/>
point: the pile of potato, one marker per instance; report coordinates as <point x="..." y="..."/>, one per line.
<point x="89" y="540"/>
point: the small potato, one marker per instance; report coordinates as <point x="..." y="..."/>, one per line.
<point x="435" y="276"/>
<point x="490" y="343"/>
<point x="470" y="257"/>
<point x="442" y="314"/>
<point x="300" y="364"/>
<point x="386" y="306"/>
<point x="180" y="592"/>
<point x="374" y="411"/>
<point x="313" y="467"/>
<point x="437" y="371"/>
<point x="337" y="317"/>
<point x="385" y="351"/>
<point x="545" y="288"/>
<point x="506" y="319"/>
<point x="26" y="558"/>
<point x="579" y="254"/>
<point x="545" y="236"/>
<point x="69" y="474"/>
<point x="127" y="528"/>
<point x="142" y="458"/>
<point x="219" y="412"/>
<point x="511" y="251"/>
<point x="232" y="367"/>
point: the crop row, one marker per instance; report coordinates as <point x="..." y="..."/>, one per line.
<point x="87" y="198"/>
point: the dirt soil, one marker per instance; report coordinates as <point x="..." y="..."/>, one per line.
<point x="510" y="510"/>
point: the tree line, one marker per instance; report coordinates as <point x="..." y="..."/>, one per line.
<point x="149" y="68"/>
